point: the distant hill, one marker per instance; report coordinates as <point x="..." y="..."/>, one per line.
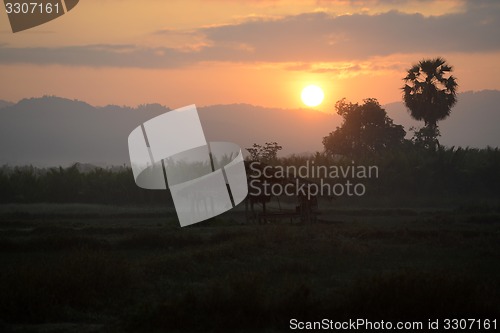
<point x="298" y="131"/>
<point x="474" y="120"/>
<point x="56" y="131"/>
<point x="4" y="104"/>
<point x="51" y="131"/>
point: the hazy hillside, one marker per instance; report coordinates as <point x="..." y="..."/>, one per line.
<point x="53" y="130"/>
<point x="5" y="104"/>
<point x="473" y="122"/>
<point x="298" y="131"/>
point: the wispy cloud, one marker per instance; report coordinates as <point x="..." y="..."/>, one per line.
<point x="301" y="39"/>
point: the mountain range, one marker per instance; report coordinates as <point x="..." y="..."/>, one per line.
<point x="49" y="131"/>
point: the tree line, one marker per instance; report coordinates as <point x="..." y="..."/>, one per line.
<point x="115" y="186"/>
<point x="410" y="172"/>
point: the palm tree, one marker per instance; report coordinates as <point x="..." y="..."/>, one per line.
<point x="430" y="92"/>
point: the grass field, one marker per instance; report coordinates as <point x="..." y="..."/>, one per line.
<point x="91" y="268"/>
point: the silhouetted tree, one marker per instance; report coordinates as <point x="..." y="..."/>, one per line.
<point x="429" y="95"/>
<point x="266" y="153"/>
<point x="366" y="129"/>
<point x="425" y="137"/>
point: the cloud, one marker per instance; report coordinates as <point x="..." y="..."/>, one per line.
<point x="321" y="37"/>
<point x="304" y="38"/>
<point x="101" y="55"/>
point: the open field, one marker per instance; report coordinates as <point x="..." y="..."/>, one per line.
<point x="92" y="268"/>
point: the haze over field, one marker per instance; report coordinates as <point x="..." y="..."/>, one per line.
<point x="51" y="130"/>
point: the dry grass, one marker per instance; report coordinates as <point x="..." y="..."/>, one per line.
<point x="145" y="275"/>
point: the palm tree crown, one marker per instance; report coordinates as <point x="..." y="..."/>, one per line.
<point x="430" y="91"/>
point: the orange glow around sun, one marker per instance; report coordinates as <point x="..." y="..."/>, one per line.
<point x="312" y="95"/>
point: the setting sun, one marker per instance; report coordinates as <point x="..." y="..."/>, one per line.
<point x="312" y="95"/>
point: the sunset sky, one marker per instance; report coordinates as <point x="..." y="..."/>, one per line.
<point x="261" y="52"/>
